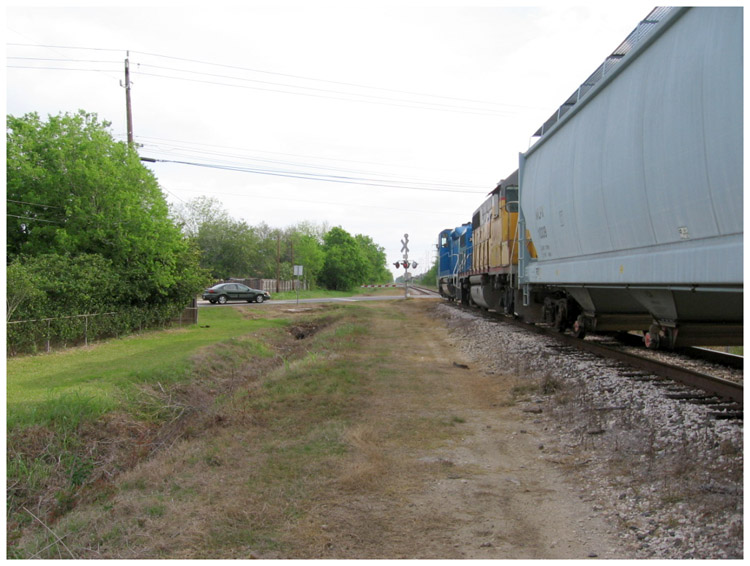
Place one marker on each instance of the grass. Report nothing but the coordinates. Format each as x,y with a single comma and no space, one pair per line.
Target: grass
81,415
89,381
273,442
298,414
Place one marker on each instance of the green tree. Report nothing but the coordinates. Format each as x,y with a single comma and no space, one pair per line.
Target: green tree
344,265
430,277
308,252
376,270
22,289
73,190
229,248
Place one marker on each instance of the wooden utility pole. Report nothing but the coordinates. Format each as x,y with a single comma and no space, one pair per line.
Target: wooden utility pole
127,100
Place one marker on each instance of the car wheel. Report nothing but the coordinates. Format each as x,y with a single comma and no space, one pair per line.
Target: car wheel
259,299
222,299
212,301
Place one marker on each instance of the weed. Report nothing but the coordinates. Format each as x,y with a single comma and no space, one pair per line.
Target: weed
157,510
550,384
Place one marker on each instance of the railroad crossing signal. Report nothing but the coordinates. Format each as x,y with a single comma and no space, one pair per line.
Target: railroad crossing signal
405,263
404,247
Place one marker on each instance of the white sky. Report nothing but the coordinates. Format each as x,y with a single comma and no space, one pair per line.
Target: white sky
496,71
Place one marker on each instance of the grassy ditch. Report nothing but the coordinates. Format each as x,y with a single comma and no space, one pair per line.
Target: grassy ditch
89,381
104,443
78,417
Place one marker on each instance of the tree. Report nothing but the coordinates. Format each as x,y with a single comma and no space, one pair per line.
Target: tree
22,288
345,265
308,252
430,277
376,270
229,248
193,214
73,190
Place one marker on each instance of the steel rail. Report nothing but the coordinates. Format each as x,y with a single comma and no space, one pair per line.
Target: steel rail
720,387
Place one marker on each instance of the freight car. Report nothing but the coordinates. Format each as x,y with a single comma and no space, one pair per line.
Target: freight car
626,214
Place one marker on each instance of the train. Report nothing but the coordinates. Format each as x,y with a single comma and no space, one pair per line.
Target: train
626,212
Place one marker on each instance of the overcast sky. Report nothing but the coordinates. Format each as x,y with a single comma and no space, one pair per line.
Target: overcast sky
415,109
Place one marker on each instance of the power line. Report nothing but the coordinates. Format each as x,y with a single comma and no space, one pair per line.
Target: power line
364,97
295,165
35,219
64,47
34,204
65,60
308,176
428,102
342,83
317,201
304,156
387,102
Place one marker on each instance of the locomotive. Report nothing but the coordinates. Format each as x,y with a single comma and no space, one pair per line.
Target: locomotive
625,214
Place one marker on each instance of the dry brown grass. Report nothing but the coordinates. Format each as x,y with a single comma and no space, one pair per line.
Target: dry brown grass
312,452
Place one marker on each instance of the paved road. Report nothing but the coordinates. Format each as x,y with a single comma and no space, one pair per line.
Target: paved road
413,294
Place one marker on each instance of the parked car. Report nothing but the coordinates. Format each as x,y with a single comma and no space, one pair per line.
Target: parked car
224,292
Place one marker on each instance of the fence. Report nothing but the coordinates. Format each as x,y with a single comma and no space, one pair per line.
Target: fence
188,315
270,285
29,335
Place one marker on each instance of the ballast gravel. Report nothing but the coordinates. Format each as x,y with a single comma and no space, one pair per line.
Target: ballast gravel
665,474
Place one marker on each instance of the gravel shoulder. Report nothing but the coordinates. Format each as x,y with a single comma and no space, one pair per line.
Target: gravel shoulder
665,476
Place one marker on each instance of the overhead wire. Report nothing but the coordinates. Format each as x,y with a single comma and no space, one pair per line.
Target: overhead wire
427,102
288,168
296,165
320,202
342,83
288,154
348,97
310,176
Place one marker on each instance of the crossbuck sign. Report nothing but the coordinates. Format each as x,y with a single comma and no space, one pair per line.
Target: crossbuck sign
404,247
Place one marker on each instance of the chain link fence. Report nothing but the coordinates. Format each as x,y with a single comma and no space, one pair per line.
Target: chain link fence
47,334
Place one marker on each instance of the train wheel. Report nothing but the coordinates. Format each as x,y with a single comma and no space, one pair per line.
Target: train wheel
579,328
561,316
651,338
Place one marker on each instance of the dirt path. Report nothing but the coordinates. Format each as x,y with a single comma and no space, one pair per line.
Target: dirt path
397,448
447,466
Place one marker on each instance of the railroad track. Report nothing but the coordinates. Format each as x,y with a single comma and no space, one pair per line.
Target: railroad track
423,291
725,395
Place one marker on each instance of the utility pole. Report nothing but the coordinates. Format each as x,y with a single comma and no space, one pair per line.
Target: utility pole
127,100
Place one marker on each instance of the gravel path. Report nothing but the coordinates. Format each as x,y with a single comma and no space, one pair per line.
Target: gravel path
666,475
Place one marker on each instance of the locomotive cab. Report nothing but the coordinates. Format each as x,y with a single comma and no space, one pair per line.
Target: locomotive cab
495,225
454,257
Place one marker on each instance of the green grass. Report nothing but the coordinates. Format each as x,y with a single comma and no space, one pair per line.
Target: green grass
86,382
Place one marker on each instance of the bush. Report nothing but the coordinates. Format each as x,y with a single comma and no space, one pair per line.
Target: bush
62,288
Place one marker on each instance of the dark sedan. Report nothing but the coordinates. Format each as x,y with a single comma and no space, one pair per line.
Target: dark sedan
224,292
